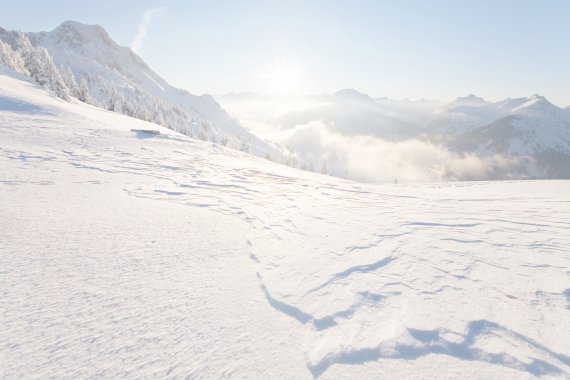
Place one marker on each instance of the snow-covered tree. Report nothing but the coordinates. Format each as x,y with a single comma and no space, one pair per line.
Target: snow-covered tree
41,67
69,80
203,134
324,169
112,103
83,93
12,59
24,46
44,71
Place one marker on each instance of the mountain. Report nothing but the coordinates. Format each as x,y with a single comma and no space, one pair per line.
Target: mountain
128,255
531,134
350,112
532,130
350,94
459,116
119,80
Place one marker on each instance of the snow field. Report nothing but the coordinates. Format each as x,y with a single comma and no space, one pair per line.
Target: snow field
126,256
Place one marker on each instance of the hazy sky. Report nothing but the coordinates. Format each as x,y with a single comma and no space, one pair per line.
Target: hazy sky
402,49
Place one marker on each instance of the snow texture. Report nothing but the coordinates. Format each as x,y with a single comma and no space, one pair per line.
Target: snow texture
140,256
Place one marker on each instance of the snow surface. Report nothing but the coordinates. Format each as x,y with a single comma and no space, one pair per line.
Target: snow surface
125,255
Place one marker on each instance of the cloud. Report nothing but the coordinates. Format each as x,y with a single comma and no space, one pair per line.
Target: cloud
144,24
371,159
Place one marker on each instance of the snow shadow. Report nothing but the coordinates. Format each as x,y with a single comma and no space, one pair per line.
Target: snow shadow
567,295
325,322
367,298
287,309
366,268
144,135
20,106
432,342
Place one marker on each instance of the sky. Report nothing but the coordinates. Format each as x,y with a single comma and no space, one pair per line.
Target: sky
401,49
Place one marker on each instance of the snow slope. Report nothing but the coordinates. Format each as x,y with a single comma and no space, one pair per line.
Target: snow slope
125,255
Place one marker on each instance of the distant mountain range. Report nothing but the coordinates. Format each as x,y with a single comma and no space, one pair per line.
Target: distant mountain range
530,130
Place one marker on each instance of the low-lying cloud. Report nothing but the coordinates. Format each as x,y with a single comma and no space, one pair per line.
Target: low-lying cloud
371,159
378,140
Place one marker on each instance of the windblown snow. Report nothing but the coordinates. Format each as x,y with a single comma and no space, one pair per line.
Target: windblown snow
125,254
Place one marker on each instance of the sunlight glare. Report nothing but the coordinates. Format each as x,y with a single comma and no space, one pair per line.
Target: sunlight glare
284,78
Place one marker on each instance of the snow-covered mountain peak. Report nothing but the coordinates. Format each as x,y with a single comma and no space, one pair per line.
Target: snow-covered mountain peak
466,105
352,94
537,97
536,104
471,99
91,42
76,33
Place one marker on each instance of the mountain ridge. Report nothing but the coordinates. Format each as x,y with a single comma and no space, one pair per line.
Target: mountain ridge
118,79
527,129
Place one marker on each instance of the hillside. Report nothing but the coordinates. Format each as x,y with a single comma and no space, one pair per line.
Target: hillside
127,255
119,80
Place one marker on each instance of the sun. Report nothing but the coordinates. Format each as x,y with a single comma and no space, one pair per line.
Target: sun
284,78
